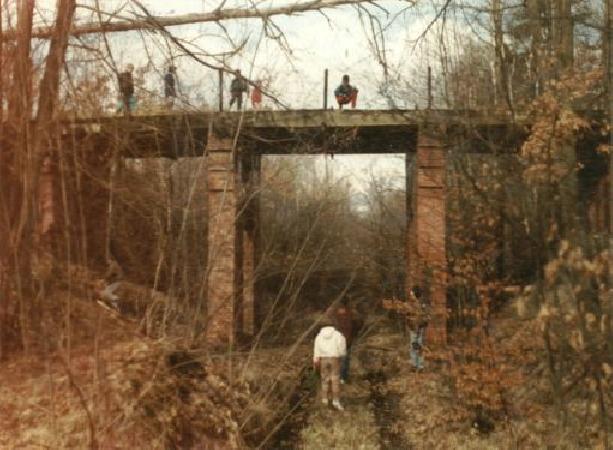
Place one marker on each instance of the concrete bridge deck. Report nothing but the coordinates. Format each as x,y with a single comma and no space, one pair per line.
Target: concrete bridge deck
185,133
310,118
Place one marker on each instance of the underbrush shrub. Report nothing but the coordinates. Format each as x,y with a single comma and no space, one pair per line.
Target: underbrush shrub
175,400
479,375
575,322
550,363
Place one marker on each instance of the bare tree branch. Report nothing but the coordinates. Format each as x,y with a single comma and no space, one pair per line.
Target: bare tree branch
154,22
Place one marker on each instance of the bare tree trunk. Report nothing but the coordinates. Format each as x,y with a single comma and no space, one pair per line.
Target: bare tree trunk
502,71
22,162
534,18
606,36
498,41
563,47
606,42
607,52
48,96
22,69
2,63
563,33
15,189
49,86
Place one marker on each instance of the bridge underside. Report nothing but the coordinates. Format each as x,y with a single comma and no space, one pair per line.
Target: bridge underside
233,173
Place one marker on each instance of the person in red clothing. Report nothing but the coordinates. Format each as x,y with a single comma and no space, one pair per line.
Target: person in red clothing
256,95
346,94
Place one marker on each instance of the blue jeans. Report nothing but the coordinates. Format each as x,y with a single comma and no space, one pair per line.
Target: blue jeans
131,104
345,361
416,352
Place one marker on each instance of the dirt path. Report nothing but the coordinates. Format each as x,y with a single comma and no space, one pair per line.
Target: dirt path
387,412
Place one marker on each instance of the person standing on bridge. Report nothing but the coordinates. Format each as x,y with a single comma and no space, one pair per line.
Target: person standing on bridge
238,87
256,95
170,86
126,89
346,94
329,347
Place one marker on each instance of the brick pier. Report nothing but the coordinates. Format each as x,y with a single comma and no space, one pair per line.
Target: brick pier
233,191
426,232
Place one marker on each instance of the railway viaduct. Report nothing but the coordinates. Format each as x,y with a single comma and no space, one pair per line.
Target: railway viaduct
233,144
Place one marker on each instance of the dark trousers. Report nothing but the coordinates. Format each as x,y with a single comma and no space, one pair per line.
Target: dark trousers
238,97
345,363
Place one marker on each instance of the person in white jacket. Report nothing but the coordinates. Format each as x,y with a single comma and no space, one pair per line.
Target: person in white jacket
329,347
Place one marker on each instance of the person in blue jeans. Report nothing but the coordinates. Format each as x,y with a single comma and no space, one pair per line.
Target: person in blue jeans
418,322
416,352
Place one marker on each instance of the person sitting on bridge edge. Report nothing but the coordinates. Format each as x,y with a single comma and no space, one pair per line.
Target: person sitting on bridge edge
346,94
238,86
417,321
170,85
126,89
329,347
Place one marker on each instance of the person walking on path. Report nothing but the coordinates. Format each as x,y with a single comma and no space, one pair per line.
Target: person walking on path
329,347
418,321
238,87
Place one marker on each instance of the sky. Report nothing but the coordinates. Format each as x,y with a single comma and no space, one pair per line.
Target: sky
292,67
355,171
335,39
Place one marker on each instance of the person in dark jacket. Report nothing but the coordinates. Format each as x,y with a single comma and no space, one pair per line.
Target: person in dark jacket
238,87
126,88
170,85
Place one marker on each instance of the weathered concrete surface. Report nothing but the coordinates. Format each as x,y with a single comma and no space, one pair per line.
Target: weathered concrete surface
310,118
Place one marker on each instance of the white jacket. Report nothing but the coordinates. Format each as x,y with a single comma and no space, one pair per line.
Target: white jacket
329,343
